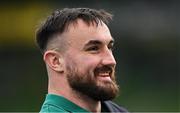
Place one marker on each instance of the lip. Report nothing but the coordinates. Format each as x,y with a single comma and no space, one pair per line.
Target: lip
104,73
104,78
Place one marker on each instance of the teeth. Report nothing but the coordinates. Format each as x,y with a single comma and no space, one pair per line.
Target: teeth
104,74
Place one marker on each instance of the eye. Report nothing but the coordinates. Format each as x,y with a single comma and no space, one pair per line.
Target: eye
93,48
111,47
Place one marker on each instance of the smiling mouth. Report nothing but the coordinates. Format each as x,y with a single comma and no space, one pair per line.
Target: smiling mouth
104,72
104,77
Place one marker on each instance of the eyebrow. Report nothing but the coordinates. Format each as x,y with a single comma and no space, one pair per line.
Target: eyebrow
97,42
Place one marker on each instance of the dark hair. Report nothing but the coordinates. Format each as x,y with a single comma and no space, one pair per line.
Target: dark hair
59,20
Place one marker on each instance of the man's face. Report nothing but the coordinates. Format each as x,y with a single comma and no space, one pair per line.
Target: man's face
90,65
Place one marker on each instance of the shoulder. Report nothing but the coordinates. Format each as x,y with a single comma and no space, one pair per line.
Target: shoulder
49,108
112,107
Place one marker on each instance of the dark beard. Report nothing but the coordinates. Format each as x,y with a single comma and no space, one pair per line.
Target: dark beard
89,86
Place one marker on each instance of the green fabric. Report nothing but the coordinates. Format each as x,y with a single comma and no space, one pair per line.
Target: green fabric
55,103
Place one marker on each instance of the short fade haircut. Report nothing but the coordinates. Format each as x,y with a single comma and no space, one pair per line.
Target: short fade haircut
59,21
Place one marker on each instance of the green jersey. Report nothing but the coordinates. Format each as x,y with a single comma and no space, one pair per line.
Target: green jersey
55,103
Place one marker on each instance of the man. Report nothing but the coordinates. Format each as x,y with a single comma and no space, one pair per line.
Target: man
77,49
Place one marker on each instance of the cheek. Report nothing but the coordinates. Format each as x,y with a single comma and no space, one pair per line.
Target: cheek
84,63
88,61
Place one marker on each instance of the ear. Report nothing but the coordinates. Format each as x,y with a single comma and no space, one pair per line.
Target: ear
54,60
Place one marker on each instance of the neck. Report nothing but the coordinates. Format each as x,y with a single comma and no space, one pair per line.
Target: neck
62,89
86,102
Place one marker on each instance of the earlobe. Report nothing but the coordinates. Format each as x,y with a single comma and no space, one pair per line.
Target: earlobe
54,61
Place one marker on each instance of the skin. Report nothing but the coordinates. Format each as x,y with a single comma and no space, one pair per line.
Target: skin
88,47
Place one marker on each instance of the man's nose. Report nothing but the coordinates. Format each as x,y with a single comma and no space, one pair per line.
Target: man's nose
108,58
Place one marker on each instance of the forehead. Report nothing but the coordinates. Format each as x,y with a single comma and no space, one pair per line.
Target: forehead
81,33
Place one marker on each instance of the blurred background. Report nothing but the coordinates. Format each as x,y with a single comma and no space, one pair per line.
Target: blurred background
147,34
